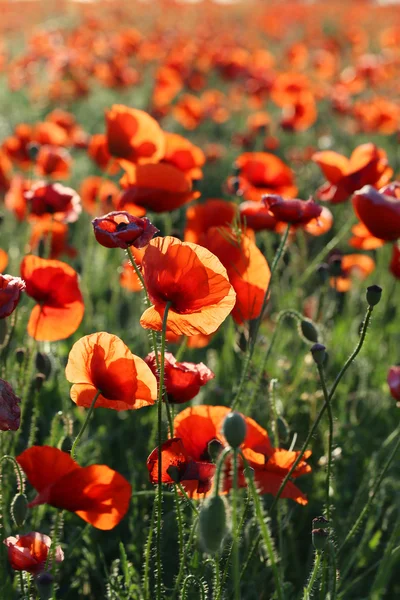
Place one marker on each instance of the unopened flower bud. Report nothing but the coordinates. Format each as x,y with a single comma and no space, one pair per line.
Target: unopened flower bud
320,523
39,381
212,524
318,352
19,509
234,429
20,355
374,294
43,364
44,584
66,444
323,272
319,538
308,330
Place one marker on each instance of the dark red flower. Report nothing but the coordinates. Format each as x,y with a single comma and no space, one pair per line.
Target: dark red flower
10,293
10,413
379,210
393,380
394,266
54,199
119,229
295,212
182,380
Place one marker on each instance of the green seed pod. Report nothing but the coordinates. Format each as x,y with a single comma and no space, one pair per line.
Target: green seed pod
318,352
20,355
212,524
19,509
44,584
374,294
66,444
39,381
43,364
234,429
309,331
320,523
319,538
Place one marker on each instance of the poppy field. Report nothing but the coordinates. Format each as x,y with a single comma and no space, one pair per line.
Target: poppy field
199,290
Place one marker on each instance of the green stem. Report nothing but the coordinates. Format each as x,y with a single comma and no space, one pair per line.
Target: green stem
332,552
188,550
330,440
218,473
188,500
147,556
313,577
85,424
20,477
235,545
22,585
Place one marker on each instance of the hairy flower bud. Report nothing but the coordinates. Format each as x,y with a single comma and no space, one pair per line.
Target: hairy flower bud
212,524
234,429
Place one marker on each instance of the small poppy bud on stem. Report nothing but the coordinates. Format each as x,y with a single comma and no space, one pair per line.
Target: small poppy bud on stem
234,429
66,444
318,352
308,330
39,381
320,523
319,538
44,584
212,524
20,355
19,509
374,294
33,150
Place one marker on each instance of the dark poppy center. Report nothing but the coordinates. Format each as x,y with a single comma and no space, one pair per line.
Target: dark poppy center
121,227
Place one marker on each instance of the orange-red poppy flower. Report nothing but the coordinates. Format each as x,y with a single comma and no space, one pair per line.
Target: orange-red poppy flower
101,362
393,380
47,133
15,200
189,111
119,229
296,212
320,224
63,203
29,552
99,195
156,187
182,380
3,260
367,165
10,293
98,152
134,135
46,229
128,278
263,173
53,161
353,265
247,269
379,211
288,87
193,280
54,286
17,146
256,216
177,466
212,213
363,238
394,266
5,171
301,114
10,412
184,155
97,494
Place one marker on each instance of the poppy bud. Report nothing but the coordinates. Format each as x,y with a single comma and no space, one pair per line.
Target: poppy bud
323,272
20,355
335,267
235,185
66,444
212,524
308,330
43,364
39,381
374,294
320,523
234,429
33,150
319,538
318,352
44,584
19,509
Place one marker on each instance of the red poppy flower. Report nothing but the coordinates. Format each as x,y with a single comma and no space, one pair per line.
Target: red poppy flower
53,161
256,216
299,115
119,229
5,171
247,269
184,155
15,200
10,412
54,286
263,173
98,152
194,475
193,280
16,146
97,494
367,165
182,380
10,293
212,213
29,552
134,135
101,362
156,187
394,266
99,195
379,211
393,380
53,199
46,228
320,224
295,212
3,260
353,265
363,238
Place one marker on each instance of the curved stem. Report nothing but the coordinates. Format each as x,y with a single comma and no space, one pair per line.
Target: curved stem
235,547
330,440
85,424
313,576
21,483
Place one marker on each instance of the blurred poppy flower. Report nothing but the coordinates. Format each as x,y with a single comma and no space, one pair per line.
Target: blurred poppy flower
247,269
99,195
296,212
379,211
119,229
193,280
10,412
189,111
53,161
263,173
3,260
17,146
288,87
157,187
321,224
96,494
177,466
184,155
15,200
393,380
29,552
352,265
5,171
10,293
54,286
101,362
301,114
46,229
256,216
363,238
128,278
134,135
98,152
394,266
53,199
367,165
182,380
211,213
